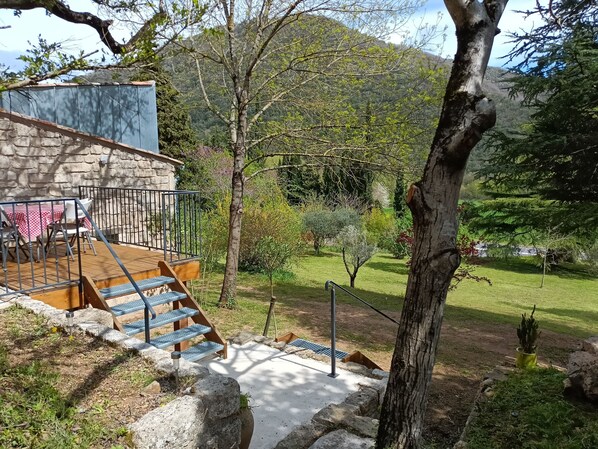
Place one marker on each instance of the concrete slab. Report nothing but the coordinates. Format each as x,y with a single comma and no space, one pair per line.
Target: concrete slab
286,390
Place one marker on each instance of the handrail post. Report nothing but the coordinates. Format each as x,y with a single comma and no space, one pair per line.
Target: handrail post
146,322
79,261
332,330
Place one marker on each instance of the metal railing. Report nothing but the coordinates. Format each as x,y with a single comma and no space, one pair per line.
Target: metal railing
332,286
36,224
27,266
164,220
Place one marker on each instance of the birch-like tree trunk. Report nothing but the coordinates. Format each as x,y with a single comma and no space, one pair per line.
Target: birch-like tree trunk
466,115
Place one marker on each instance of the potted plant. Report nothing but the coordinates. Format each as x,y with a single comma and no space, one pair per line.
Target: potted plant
528,334
246,417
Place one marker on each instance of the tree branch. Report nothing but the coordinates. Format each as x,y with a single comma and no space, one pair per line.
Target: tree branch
64,12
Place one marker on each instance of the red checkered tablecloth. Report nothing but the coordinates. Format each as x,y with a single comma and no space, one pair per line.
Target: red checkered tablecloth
33,219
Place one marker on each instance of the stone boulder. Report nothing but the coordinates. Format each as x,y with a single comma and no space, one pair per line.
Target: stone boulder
582,371
208,419
341,439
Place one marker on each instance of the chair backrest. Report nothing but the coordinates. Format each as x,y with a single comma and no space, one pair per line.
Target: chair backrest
69,212
86,202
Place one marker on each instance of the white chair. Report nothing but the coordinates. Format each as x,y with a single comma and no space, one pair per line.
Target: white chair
71,224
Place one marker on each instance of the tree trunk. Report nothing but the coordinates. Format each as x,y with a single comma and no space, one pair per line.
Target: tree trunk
466,114
229,284
544,268
238,143
352,277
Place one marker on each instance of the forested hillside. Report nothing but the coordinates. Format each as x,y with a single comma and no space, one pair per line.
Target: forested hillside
387,117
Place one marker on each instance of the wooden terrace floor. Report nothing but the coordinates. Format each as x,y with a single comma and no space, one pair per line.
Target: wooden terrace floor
103,269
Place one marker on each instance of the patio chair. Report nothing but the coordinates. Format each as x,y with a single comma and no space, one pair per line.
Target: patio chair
11,238
71,224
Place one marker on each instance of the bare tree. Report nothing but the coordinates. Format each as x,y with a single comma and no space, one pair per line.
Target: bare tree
465,116
265,52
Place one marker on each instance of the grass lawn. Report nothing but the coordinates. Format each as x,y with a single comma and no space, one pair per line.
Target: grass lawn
479,329
568,302
528,411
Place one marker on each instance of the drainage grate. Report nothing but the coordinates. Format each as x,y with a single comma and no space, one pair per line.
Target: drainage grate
318,349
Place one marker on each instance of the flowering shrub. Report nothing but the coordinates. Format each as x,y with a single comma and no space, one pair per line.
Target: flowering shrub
466,244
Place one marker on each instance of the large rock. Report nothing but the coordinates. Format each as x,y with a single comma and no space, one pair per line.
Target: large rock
334,414
302,436
367,399
341,439
177,424
91,315
590,345
219,394
361,425
207,420
582,370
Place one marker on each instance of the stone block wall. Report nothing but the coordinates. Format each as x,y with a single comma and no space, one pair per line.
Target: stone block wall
42,160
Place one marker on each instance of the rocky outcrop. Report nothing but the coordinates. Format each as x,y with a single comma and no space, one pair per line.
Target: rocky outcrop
206,419
582,372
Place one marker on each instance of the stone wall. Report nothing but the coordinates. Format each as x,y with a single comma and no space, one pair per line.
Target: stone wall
42,160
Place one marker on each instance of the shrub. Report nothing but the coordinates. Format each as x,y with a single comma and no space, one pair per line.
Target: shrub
323,224
380,227
275,220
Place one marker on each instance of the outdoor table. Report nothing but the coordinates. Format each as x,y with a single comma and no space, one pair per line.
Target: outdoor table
32,221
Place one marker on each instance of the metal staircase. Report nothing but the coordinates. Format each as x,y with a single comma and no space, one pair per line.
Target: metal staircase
185,319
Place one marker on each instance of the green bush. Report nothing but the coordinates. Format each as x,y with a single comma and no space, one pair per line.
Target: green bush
322,224
380,226
275,220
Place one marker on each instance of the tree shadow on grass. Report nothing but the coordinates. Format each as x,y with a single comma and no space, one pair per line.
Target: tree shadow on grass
582,315
390,267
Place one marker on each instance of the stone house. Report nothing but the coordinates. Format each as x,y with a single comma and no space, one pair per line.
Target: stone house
43,159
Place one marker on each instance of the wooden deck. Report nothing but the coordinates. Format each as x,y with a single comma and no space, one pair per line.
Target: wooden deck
141,263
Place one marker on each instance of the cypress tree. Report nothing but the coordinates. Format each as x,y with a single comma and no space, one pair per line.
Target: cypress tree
399,199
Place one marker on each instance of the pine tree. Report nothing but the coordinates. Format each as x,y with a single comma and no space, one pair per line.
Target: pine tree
176,137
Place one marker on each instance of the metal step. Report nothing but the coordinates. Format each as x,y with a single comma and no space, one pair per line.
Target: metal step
160,320
186,333
135,306
202,350
317,348
127,289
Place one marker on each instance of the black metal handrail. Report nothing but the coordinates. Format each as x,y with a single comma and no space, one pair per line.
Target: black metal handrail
331,285
100,235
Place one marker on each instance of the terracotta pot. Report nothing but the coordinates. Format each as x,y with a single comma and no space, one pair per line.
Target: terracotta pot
525,360
246,417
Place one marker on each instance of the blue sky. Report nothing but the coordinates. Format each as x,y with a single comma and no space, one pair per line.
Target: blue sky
14,40
510,22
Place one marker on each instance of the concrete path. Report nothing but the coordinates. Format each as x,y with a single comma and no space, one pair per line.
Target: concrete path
286,390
